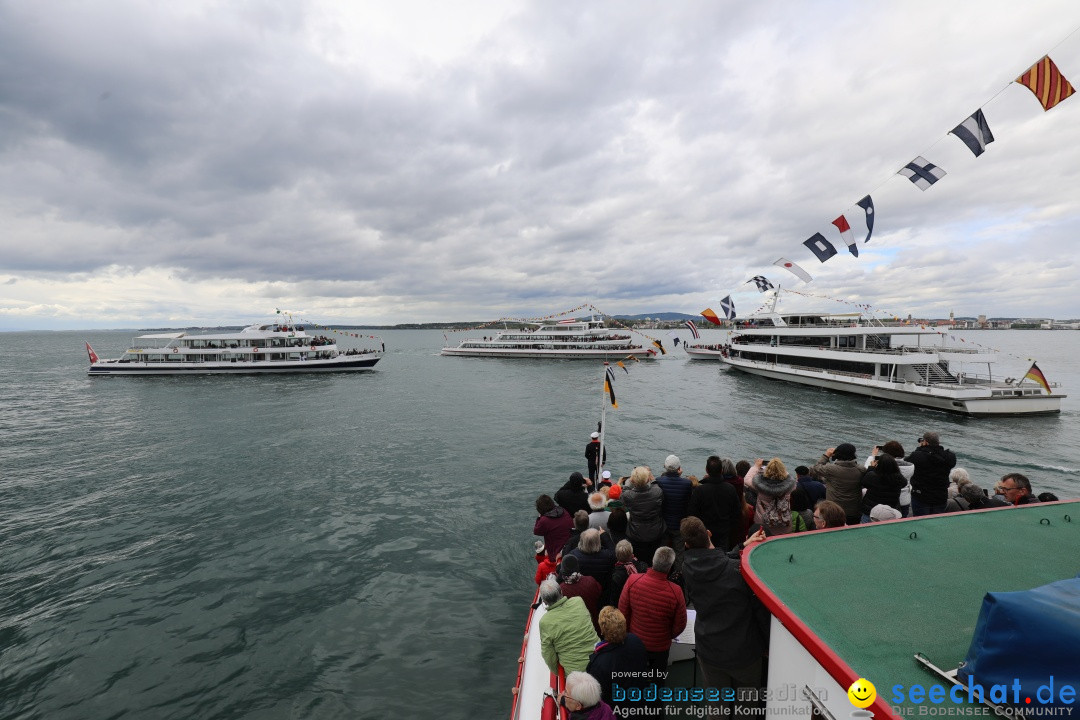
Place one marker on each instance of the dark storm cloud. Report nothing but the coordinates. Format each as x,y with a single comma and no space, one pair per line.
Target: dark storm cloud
639,153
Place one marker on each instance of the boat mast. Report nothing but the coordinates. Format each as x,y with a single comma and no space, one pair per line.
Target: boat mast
603,426
776,297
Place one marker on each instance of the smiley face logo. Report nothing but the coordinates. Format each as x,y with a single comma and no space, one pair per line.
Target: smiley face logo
862,693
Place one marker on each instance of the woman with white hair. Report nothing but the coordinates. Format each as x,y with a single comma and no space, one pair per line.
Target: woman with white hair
596,557
582,698
958,478
644,503
567,637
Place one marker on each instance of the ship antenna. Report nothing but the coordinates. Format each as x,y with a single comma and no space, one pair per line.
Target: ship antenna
775,298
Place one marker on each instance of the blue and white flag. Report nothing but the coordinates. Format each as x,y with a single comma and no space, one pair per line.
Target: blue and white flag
821,247
974,132
762,282
868,205
922,172
728,306
693,329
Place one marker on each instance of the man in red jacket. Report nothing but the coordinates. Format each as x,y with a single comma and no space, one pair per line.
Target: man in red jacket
655,610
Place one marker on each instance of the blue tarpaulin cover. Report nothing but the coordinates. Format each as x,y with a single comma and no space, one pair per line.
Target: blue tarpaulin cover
1033,637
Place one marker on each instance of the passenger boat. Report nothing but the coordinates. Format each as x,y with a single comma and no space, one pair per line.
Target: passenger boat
271,347
908,614
570,339
705,351
886,360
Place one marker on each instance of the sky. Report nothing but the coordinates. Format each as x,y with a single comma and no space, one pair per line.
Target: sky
206,163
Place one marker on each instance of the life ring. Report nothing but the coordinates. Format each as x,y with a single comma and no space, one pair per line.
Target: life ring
254,349
176,350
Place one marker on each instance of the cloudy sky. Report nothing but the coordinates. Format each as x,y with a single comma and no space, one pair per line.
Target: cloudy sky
362,162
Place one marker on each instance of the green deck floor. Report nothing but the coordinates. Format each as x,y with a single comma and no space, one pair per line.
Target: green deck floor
876,595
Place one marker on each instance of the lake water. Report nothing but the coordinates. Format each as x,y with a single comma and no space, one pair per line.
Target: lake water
359,545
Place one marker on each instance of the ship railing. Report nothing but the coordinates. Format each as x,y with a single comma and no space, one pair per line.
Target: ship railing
897,350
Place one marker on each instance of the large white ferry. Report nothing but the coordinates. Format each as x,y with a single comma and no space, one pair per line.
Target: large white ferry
887,360
567,339
272,347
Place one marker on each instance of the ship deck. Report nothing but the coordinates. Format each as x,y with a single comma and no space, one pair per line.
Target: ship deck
864,600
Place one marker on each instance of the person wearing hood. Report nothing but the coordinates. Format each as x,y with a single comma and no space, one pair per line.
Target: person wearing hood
772,509
573,496
842,475
553,524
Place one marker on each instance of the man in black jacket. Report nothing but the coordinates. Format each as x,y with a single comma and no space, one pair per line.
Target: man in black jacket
592,454
930,481
731,628
716,503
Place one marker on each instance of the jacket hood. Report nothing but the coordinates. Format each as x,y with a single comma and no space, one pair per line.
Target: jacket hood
576,482
554,512
773,488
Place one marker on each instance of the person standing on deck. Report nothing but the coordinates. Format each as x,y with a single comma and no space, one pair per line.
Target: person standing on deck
716,503
573,495
930,481
554,524
731,628
592,454
644,503
654,608
677,490
842,476
567,636
815,489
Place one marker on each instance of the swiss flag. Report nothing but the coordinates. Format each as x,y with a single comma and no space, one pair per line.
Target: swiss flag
91,353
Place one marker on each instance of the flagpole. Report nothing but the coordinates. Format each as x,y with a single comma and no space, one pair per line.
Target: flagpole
603,428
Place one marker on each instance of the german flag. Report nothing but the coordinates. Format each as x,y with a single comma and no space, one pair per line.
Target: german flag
659,346
1036,374
1046,82
609,386
709,315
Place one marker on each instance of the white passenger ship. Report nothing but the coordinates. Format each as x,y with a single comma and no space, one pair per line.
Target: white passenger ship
272,347
890,361
568,339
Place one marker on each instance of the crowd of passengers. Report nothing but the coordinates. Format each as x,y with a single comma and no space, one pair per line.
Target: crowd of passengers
619,561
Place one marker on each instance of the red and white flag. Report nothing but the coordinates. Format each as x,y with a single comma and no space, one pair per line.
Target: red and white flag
567,321
793,268
91,353
841,224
